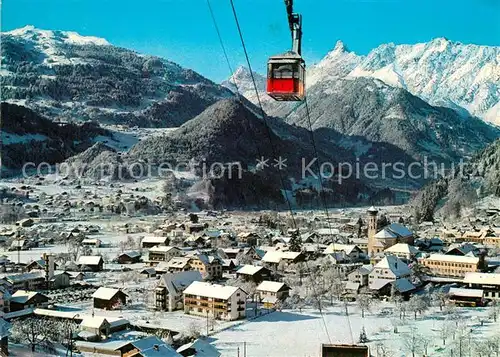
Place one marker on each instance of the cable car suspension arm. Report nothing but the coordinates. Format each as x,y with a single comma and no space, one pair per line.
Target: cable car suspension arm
295,23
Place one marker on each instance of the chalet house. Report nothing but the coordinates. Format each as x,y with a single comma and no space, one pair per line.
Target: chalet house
194,241
148,272
162,254
152,241
253,273
452,265
232,253
388,287
216,301
402,251
208,265
109,298
169,291
60,279
38,265
229,265
90,263
389,268
488,282
271,292
94,328
463,250
450,235
195,227
129,257
178,264
360,275
274,258
20,244
92,242
352,252
28,281
23,299
249,238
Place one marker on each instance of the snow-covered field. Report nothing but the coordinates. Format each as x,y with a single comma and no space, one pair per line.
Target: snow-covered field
299,334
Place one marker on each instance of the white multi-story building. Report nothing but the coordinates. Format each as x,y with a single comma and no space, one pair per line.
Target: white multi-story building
214,300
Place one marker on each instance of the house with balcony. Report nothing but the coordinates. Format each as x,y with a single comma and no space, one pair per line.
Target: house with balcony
209,266
162,254
215,301
169,291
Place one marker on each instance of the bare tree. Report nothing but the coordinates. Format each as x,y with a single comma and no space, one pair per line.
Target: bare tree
412,341
439,298
445,330
417,304
494,310
36,333
383,351
194,330
364,303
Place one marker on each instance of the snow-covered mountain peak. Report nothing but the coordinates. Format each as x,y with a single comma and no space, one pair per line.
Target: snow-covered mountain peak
31,33
243,80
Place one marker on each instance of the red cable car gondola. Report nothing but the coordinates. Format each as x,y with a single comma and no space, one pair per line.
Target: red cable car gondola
286,73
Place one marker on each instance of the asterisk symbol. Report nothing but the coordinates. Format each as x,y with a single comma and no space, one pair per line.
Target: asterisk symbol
262,163
280,163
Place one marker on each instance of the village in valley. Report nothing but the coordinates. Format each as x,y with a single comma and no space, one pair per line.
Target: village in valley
97,270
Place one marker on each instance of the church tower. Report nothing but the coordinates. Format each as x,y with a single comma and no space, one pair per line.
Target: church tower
372,230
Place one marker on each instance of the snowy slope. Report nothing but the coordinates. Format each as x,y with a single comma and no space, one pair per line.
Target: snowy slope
444,73
66,77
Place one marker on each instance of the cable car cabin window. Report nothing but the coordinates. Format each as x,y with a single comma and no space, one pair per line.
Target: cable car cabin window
285,71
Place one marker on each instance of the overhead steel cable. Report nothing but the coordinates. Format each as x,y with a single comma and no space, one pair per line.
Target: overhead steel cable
263,113
238,94
264,116
325,205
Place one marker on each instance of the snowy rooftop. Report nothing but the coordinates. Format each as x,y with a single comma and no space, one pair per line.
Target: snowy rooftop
161,249
271,286
154,239
105,293
385,233
402,248
478,293
396,265
453,258
249,270
215,291
482,278
89,260
93,321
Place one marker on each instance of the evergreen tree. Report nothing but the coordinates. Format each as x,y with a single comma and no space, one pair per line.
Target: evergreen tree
362,336
295,244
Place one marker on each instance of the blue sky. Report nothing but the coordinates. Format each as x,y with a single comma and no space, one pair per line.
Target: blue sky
182,30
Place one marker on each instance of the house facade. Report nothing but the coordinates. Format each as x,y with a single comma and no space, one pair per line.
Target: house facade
451,265
214,300
169,291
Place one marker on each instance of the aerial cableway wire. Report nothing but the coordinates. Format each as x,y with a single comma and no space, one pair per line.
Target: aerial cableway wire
238,94
325,205
264,116
263,113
